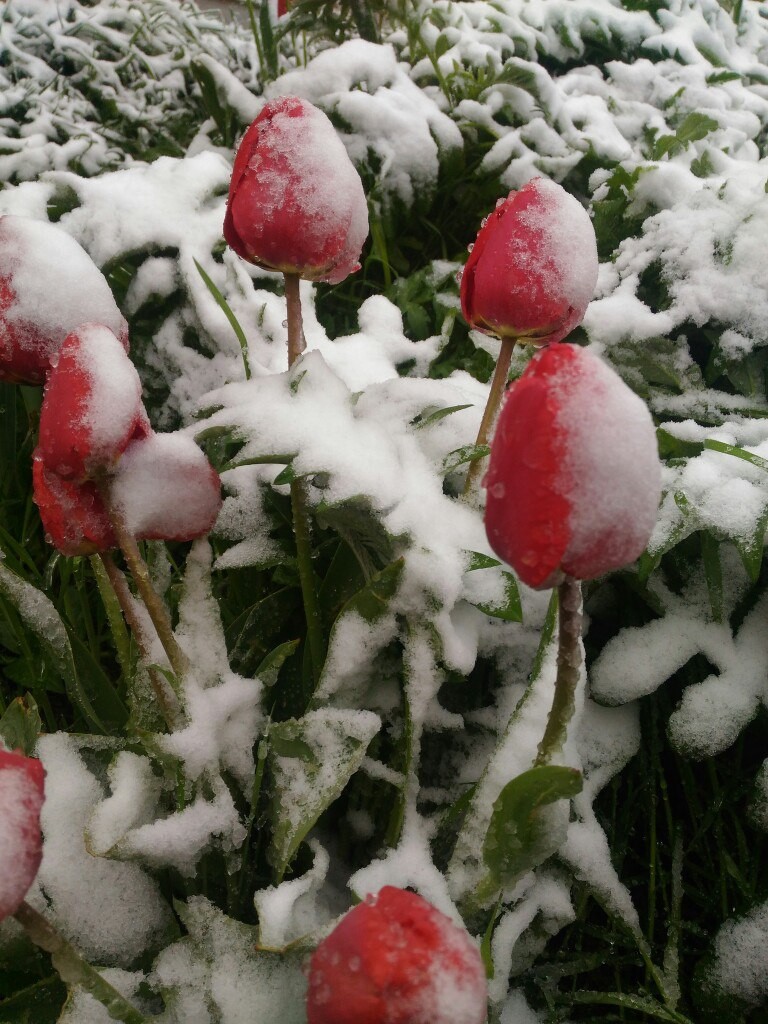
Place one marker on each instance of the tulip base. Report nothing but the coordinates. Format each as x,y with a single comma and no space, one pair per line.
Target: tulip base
568,671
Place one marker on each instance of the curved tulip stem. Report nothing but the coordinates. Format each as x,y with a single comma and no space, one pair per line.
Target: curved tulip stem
166,700
492,406
302,525
72,969
139,570
296,344
568,670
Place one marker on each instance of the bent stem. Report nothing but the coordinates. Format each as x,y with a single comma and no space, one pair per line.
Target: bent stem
72,969
568,670
166,700
302,526
139,570
495,395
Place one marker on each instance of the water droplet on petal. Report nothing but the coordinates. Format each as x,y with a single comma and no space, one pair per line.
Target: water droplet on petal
497,491
483,222
54,359
470,247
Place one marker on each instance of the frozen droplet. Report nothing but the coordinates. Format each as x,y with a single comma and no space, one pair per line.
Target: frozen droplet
497,491
54,360
48,539
470,247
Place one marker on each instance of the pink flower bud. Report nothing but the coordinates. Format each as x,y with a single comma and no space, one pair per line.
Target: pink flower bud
395,959
92,405
574,479
533,269
49,285
21,798
296,203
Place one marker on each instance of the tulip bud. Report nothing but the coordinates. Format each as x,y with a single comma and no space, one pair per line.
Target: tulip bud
574,479
21,798
296,203
73,514
91,406
49,285
395,959
533,269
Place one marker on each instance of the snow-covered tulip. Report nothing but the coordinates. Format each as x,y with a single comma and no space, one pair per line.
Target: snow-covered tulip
574,479
166,489
395,959
49,285
92,405
296,203
21,798
533,268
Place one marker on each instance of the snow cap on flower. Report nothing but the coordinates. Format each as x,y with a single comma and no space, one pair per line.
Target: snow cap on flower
395,959
574,478
49,285
533,269
92,405
167,489
296,203
21,798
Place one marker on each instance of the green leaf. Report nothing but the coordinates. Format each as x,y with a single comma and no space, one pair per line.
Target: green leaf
21,725
311,759
713,572
477,560
695,126
429,416
358,524
751,549
270,666
372,601
509,608
460,456
41,618
519,837
227,311
739,453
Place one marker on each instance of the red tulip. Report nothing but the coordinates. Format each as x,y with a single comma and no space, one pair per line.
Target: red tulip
296,203
533,269
92,405
21,798
574,479
73,514
395,959
48,286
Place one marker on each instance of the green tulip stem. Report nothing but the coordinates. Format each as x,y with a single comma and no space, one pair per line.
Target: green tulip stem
166,700
568,671
495,395
302,524
296,343
139,570
72,969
